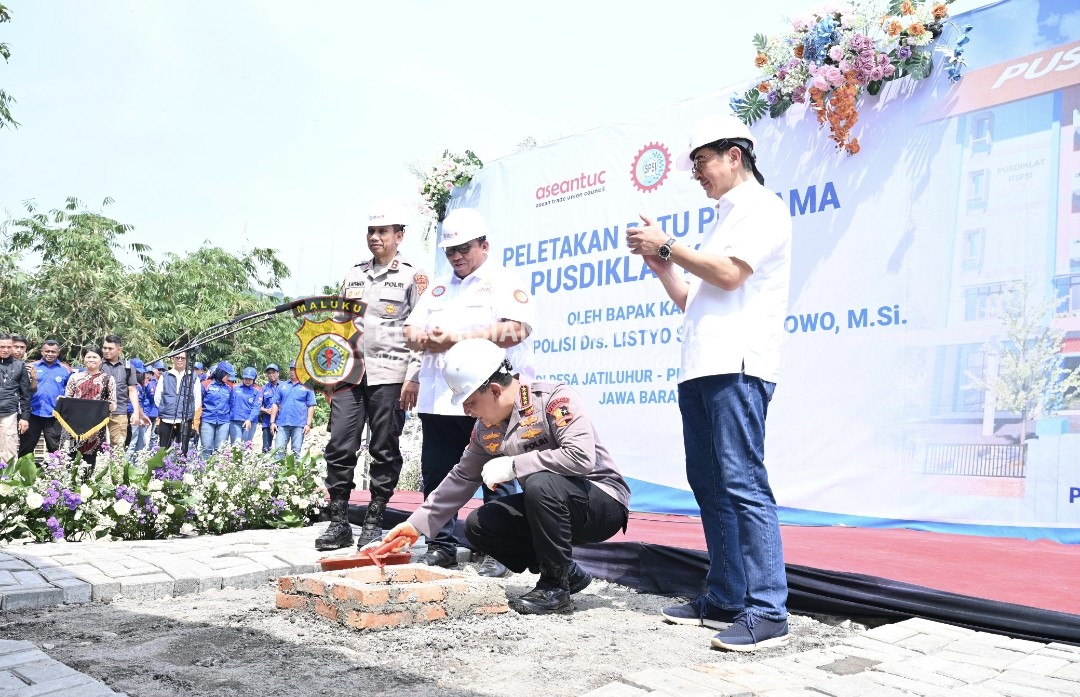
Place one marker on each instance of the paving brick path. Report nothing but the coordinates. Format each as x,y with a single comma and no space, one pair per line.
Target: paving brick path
914,657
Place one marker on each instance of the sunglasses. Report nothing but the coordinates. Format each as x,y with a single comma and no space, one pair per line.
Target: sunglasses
462,249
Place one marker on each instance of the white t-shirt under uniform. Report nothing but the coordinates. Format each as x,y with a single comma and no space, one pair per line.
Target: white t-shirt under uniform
486,296
726,332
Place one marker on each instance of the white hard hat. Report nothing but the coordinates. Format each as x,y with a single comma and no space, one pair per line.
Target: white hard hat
386,213
712,129
469,364
462,225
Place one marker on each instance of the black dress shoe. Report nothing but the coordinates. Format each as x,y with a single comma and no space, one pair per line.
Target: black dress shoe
491,567
578,578
543,601
437,556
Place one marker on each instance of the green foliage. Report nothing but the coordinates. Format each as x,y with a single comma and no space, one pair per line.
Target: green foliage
81,290
760,41
6,119
752,106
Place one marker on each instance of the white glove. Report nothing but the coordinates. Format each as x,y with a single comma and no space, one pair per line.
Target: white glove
499,470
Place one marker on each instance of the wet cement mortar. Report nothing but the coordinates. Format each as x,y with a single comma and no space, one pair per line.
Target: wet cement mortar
235,642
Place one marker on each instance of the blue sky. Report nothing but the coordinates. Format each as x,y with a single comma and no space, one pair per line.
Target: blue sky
265,123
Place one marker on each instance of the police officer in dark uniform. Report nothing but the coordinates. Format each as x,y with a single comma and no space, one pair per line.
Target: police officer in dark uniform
390,286
572,491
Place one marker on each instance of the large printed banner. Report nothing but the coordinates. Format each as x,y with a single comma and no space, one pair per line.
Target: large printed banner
901,255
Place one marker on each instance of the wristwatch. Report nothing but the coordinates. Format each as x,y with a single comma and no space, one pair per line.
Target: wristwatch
664,252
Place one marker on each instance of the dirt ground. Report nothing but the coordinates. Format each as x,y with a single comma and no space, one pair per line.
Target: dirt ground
235,642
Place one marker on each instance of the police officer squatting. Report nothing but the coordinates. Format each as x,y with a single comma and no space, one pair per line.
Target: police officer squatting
540,434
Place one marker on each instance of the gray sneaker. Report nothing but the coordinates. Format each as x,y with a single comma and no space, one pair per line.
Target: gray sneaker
699,612
750,633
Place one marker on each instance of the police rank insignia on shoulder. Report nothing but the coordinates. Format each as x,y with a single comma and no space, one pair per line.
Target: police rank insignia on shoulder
491,436
492,447
532,433
529,420
525,397
394,265
561,415
421,282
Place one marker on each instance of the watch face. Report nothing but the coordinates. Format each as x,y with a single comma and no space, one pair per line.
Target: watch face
664,252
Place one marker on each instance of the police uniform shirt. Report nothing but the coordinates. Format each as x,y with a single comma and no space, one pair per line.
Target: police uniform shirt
391,292
486,296
547,430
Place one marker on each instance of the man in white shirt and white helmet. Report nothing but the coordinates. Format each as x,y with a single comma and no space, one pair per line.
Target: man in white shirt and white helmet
391,287
478,299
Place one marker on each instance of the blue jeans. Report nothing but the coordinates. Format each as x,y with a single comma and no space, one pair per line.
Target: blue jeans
289,436
212,437
724,438
141,438
268,438
237,434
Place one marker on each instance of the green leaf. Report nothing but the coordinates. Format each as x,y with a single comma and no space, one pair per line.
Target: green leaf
760,41
752,106
26,470
920,66
874,87
782,105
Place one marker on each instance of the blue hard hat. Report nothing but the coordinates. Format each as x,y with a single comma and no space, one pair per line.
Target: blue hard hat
160,365
250,373
226,367
138,365
293,364
199,365
273,366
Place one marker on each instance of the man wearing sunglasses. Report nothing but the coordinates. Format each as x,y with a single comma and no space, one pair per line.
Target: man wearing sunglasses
735,299
478,300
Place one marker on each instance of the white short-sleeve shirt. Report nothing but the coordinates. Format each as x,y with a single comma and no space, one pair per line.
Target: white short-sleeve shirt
486,296
727,332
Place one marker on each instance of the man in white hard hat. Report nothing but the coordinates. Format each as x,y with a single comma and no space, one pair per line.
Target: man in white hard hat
479,299
391,286
734,306
538,433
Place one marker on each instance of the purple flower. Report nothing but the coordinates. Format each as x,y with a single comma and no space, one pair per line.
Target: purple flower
55,528
799,95
72,500
903,53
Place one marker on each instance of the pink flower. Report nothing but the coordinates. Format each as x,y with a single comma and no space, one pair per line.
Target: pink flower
845,65
876,73
888,70
836,53
835,76
820,82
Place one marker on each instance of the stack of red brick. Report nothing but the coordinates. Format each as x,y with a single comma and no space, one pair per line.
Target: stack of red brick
394,596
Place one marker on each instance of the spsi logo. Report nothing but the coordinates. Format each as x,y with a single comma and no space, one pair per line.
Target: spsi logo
651,167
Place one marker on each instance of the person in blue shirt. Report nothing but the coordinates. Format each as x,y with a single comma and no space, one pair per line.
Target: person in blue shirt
52,377
269,392
146,401
292,414
141,432
217,404
247,401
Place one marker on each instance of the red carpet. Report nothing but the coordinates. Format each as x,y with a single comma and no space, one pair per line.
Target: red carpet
1039,574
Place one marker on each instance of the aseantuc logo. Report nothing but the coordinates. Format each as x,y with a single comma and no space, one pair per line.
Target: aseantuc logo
330,352
584,184
650,167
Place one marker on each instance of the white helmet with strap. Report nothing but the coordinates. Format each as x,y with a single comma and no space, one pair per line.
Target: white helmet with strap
469,364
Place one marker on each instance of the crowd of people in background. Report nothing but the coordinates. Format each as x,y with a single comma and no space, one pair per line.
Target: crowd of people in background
150,404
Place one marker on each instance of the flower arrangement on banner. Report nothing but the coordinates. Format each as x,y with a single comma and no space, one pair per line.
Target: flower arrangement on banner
438,180
156,495
833,53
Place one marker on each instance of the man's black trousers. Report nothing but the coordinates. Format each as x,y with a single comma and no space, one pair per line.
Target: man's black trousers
538,527
39,425
378,406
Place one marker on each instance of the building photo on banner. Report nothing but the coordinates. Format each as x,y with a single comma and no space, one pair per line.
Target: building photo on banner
907,394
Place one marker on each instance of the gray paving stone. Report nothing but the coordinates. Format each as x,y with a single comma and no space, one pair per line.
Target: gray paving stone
853,686
43,669
663,681
1040,665
817,657
5,557
1008,689
29,578
919,673
79,685
848,665
250,575
939,628
55,572
998,657
885,648
788,665
925,643
1055,653
792,692
147,587
964,672
75,590
9,682
892,633
752,677
7,578
1067,648
616,689
906,684
275,566
16,658
1042,682
222,563
30,597
14,645
105,590
1069,672
717,684
975,691
15,565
